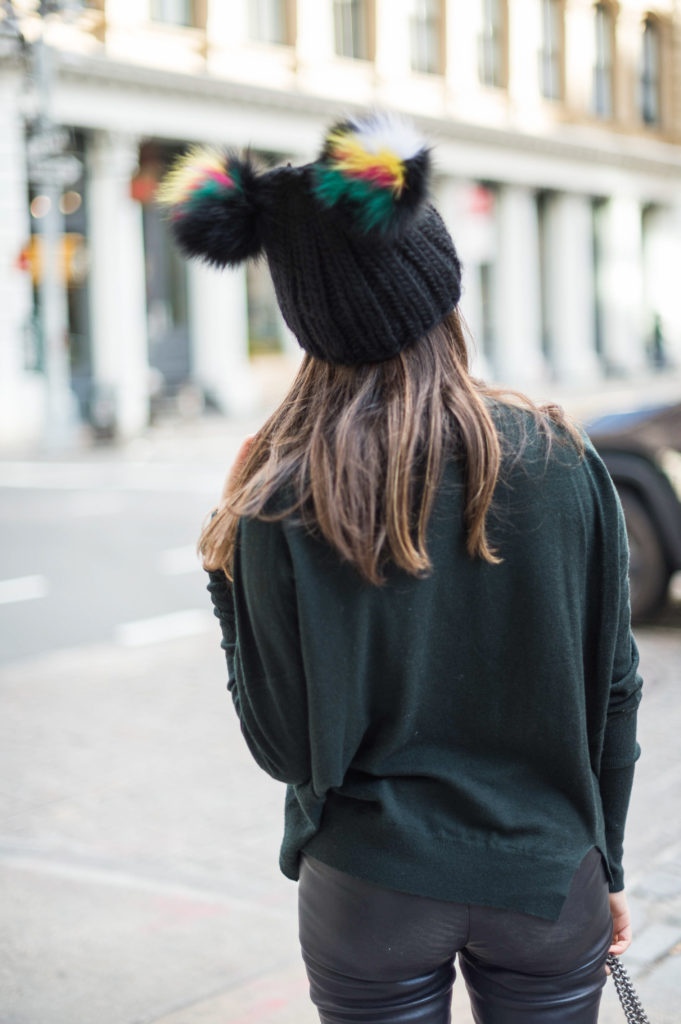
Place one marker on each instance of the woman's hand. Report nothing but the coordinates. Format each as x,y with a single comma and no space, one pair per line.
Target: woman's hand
238,462
621,923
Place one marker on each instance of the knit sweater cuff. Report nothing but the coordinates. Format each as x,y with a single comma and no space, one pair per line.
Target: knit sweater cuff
615,787
620,748
220,590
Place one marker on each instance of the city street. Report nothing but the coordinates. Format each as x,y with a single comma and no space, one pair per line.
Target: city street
138,840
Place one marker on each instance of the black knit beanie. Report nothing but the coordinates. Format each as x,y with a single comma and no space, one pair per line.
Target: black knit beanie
362,264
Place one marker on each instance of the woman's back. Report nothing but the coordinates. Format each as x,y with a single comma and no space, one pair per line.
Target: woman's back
455,717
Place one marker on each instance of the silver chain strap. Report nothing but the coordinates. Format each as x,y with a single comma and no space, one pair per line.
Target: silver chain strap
631,1004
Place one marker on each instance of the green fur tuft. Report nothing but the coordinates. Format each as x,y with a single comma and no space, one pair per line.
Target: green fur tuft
374,205
234,171
212,189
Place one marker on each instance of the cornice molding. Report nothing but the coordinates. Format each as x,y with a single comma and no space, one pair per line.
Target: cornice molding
576,143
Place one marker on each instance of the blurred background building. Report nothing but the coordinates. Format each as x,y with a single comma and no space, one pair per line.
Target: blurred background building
557,126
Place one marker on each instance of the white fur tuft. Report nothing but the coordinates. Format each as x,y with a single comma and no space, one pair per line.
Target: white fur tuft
388,131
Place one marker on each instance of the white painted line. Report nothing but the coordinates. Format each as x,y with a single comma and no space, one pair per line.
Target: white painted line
176,561
23,588
160,477
88,504
164,627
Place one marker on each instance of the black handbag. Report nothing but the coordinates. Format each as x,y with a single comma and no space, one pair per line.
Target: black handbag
631,1004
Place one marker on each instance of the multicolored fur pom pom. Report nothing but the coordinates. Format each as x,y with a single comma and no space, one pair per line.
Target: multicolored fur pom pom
211,198
196,175
376,168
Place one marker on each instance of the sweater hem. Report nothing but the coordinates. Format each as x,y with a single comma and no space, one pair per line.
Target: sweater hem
454,870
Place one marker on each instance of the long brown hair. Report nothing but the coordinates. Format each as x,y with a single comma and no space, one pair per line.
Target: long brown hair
358,454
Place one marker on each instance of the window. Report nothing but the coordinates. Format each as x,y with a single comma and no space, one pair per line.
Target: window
551,53
491,43
426,31
650,73
173,12
602,77
268,21
351,28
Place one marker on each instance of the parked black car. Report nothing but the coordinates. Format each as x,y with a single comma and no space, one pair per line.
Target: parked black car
642,450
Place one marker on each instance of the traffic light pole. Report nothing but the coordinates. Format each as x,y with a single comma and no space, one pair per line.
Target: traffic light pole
59,418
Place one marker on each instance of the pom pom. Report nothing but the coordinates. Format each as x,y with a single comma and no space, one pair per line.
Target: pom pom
214,212
375,169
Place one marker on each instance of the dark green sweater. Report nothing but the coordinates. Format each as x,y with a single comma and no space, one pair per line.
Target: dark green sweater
467,736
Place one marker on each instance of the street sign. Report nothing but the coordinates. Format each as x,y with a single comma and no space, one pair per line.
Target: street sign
42,144
62,170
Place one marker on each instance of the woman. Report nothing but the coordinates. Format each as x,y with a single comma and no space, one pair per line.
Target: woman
422,588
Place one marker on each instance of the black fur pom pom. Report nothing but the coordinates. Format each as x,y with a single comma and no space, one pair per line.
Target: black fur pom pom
214,211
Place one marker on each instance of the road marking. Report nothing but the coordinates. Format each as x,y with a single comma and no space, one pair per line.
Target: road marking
164,627
23,588
161,477
88,504
176,561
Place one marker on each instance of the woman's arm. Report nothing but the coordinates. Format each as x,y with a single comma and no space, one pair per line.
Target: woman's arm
259,623
620,748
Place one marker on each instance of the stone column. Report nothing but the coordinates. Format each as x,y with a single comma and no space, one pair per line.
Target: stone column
570,288
662,258
117,282
620,284
470,308
518,358
22,392
472,228
218,326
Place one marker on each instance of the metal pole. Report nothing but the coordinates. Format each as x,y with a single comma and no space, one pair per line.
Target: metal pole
59,418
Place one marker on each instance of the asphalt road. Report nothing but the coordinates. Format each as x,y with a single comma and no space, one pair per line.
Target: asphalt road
88,549
138,841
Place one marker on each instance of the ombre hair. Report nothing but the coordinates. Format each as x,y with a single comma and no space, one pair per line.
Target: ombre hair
357,453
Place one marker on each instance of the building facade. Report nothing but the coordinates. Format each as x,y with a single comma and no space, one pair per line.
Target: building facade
557,126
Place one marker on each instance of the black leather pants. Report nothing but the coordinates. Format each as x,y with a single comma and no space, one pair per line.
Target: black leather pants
385,957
